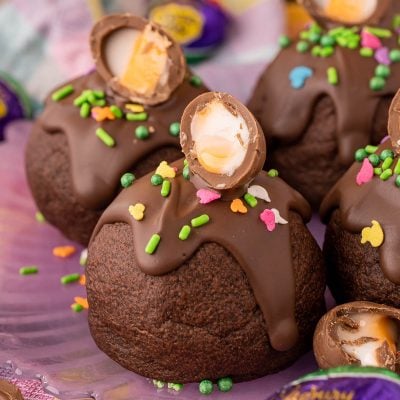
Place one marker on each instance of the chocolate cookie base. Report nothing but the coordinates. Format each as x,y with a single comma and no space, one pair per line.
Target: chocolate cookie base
353,269
48,171
200,321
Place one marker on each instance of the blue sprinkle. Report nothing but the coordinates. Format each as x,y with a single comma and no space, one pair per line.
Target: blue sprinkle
299,75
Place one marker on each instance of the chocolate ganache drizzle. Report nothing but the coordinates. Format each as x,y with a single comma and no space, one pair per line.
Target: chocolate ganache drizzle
264,254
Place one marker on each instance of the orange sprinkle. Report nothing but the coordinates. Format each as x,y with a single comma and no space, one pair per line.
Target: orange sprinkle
82,301
102,113
64,251
82,280
237,206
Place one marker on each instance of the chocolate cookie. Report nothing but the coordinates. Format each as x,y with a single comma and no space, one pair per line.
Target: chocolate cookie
327,93
123,117
206,269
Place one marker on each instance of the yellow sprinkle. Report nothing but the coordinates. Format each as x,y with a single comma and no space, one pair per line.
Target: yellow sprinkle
165,170
82,280
135,108
137,211
373,235
64,251
82,301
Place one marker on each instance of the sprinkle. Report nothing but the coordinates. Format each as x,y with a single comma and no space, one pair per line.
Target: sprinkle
394,55
137,211
397,168
158,384
102,113
369,40
299,75
207,196
273,173
360,155
374,159
206,387
83,257
259,192
186,172
200,221
327,51
366,173
316,51
127,179
82,280
105,137
85,110
382,56
250,200
175,386
302,46
117,112
135,108
378,171
382,70
64,251
371,149
387,153
377,83
62,93
40,217
366,52
327,40
136,116
284,41
397,181
99,94
82,301
268,217
76,308
165,170
184,232
142,132
237,206
152,244
195,81
80,100
278,218
156,180
71,278
333,77
385,175
225,384
165,188
30,270
387,163
175,129
314,37
98,103
374,235
379,32
396,21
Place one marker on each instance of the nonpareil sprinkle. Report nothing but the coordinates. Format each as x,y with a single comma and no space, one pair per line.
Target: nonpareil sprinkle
142,132
175,386
360,154
273,173
374,159
152,244
29,270
284,41
105,137
386,154
377,83
62,93
156,180
76,308
186,172
206,387
40,217
225,384
175,129
127,179
71,278
195,81
200,221
184,232
165,188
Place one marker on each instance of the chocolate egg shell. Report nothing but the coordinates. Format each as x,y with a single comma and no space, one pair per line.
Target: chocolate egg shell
176,62
394,122
328,347
8,391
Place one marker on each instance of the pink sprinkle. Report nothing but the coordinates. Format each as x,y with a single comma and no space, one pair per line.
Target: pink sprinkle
268,217
369,40
382,56
366,173
385,139
207,196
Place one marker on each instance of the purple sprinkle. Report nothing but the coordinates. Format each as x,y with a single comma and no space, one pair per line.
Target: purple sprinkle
382,56
385,139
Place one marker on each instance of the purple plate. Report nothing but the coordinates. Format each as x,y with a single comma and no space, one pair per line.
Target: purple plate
41,337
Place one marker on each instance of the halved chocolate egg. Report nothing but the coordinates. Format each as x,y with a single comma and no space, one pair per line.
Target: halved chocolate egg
359,333
346,12
222,141
137,59
394,122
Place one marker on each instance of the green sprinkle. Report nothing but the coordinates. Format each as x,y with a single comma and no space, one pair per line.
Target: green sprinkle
333,77
250,200
327,51
302,46
397,168
158,384
284,41
200,221
360,154
379,32
314,27
377,83
185,162
387,163
225,384
396,21
186,172
374,159
371,149
71,278
80,100
175,386
314,37
152,244
342,41
397,181
206,387
328,40
304,35
195,81
273,173
387,153
105,137
136,116
166,188
385,175
394,55
40,217
316,51
117,112
175,129
184,232
30,270
142,132
62,93
366,52
382,70
353,44
99,94
98,103
378,171
83,257
85,110
77,307
91,98
127,179
156,180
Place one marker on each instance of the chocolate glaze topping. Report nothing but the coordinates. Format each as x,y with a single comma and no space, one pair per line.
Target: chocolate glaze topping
358,205
96,168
